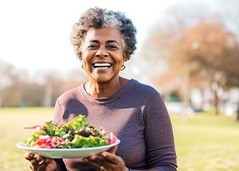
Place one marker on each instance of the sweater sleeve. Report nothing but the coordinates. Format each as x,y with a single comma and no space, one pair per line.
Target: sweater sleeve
160,145
57,112
57,118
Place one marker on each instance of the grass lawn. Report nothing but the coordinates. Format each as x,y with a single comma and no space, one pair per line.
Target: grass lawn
11,131
203,142
206,142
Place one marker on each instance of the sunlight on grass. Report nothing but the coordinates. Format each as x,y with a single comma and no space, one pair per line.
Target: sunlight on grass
203,142
11,130
206,143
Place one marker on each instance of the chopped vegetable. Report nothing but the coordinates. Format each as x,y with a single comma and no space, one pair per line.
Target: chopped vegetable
74,134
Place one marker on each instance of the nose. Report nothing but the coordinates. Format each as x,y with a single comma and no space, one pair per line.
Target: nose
102,52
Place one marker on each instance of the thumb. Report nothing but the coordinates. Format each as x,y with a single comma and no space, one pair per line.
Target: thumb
112,149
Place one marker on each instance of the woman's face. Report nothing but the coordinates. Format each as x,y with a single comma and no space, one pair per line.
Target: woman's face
102,54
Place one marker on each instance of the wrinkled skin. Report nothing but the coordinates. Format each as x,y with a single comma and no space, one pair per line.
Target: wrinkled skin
108,160
39,163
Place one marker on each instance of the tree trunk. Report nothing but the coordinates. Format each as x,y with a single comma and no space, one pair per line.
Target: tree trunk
238,111
238,105
216,103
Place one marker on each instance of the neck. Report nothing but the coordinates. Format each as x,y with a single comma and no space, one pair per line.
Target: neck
100,90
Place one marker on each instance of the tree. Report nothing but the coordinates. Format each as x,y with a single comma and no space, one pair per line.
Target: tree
17,89
209,50
158,48
198,50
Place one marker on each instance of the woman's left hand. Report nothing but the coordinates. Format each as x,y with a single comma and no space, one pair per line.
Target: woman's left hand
106,161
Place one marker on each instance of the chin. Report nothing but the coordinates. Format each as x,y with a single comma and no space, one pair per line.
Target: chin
102,80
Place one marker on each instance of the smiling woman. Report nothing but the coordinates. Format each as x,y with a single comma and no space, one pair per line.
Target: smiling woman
134,112
106,20
102,57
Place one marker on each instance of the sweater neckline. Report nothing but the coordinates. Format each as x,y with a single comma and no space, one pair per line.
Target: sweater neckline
104,100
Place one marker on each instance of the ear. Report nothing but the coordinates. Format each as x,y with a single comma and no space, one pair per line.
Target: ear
124,57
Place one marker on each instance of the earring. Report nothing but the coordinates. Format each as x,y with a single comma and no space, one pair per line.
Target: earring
82,66
80,55
123,67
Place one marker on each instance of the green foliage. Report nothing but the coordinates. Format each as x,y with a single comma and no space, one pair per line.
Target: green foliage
77,123
76,133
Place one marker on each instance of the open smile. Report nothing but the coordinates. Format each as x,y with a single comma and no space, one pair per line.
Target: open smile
101,65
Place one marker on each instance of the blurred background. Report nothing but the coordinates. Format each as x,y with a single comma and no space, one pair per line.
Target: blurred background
187,49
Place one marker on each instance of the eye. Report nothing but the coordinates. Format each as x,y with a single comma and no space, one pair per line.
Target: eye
111,46
93,46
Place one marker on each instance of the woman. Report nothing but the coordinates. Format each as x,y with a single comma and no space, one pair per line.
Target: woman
134,112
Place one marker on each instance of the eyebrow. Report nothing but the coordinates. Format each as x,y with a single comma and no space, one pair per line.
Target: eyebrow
108,41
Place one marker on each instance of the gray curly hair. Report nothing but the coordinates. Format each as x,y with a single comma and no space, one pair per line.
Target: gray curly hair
99,18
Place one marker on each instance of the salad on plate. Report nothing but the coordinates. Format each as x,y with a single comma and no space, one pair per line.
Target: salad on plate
76,133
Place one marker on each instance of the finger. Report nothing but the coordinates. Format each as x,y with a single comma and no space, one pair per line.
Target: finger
92,163
37,161
104,154
112,158
95,157
29,156
34,161
34,164
39,158
32,168
112,149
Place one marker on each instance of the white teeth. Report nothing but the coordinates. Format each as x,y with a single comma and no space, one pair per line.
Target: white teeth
102,65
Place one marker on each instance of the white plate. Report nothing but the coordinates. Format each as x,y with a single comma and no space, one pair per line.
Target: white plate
66,152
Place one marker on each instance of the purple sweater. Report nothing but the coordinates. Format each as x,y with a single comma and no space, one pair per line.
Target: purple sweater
136,114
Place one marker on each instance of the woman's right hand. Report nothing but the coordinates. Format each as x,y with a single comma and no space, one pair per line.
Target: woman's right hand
40,163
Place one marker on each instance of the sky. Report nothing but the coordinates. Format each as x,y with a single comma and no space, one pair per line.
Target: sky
35,34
